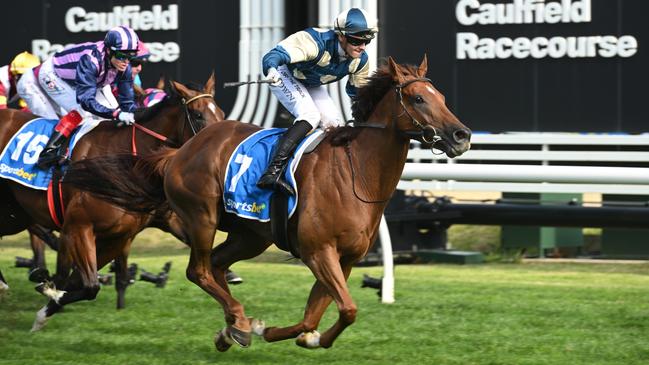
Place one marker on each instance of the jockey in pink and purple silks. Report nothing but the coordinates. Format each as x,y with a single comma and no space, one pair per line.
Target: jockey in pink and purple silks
75,83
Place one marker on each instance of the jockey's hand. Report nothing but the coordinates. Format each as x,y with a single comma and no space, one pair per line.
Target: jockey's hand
274,76
125,118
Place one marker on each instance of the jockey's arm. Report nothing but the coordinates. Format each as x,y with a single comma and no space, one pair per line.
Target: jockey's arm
125,93
298,47
87,89
358,78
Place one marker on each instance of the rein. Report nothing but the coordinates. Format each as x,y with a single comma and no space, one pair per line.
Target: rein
165,139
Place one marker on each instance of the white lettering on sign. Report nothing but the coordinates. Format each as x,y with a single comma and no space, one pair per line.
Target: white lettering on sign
471,12
160,52
77,19
471,46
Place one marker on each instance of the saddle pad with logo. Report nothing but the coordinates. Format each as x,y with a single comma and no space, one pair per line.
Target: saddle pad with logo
246,165
18,159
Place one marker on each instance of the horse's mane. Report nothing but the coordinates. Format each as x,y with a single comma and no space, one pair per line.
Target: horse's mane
367,98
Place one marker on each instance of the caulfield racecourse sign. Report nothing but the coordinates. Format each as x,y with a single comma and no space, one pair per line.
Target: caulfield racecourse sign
78,19
474,13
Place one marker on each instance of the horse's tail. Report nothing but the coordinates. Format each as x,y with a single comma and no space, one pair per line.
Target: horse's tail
131,182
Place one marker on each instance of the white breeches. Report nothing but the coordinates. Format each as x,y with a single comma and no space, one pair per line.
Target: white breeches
312,104
51,97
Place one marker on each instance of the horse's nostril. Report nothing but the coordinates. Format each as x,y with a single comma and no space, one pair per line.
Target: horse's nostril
462,135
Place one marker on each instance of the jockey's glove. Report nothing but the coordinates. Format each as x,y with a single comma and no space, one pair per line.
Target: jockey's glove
125,118
274,77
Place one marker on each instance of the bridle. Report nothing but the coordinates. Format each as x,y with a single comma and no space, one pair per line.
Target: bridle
436,138
188,114
193,124
410,134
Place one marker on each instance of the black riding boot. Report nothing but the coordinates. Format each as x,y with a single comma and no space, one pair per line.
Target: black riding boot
272,178
51,154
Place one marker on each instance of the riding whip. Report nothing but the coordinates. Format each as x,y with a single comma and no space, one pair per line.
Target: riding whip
241,83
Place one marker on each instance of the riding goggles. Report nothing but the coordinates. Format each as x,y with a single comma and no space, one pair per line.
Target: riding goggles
124,55
357,41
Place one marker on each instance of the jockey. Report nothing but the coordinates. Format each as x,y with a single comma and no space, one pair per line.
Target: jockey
73,83
9,76
299,66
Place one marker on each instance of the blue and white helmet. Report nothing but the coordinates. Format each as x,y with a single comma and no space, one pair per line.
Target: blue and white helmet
121,38
355,22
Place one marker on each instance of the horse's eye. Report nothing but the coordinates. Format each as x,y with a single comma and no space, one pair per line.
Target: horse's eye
198,115
419,99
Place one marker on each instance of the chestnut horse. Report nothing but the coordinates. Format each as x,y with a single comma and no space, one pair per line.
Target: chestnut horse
94,232
355,169
39,237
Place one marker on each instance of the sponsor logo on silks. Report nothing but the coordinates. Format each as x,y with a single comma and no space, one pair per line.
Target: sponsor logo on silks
19,172
245,206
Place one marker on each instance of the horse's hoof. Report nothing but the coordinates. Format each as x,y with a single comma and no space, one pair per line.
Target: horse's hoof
242,338
222,341
309,340
3,286
258,326
41,320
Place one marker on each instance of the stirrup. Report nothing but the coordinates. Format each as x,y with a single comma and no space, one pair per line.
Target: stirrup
275,182
46,161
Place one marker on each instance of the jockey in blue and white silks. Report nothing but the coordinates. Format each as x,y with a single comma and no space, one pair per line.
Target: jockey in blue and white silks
300,65
77,79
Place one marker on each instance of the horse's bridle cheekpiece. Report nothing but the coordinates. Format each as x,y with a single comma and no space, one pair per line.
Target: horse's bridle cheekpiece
436,138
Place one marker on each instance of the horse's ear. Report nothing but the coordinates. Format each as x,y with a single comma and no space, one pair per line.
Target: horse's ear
161,83
170,88
423,67
180,88
209,85
395,70
139,92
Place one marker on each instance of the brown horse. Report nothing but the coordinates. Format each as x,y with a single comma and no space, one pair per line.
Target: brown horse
355,169
94,232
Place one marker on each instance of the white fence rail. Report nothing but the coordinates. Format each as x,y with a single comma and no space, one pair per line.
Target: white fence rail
530,163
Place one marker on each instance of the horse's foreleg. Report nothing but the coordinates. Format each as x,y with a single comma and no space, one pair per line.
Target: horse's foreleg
122,278
73,292
319,300
3,283
77,246
38,250
327,268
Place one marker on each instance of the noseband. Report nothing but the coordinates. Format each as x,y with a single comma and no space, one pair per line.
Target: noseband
436,138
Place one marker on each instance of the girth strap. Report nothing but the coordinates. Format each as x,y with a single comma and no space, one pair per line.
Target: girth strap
55,198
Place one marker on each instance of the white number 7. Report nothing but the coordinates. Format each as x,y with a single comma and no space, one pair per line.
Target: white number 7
245,162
